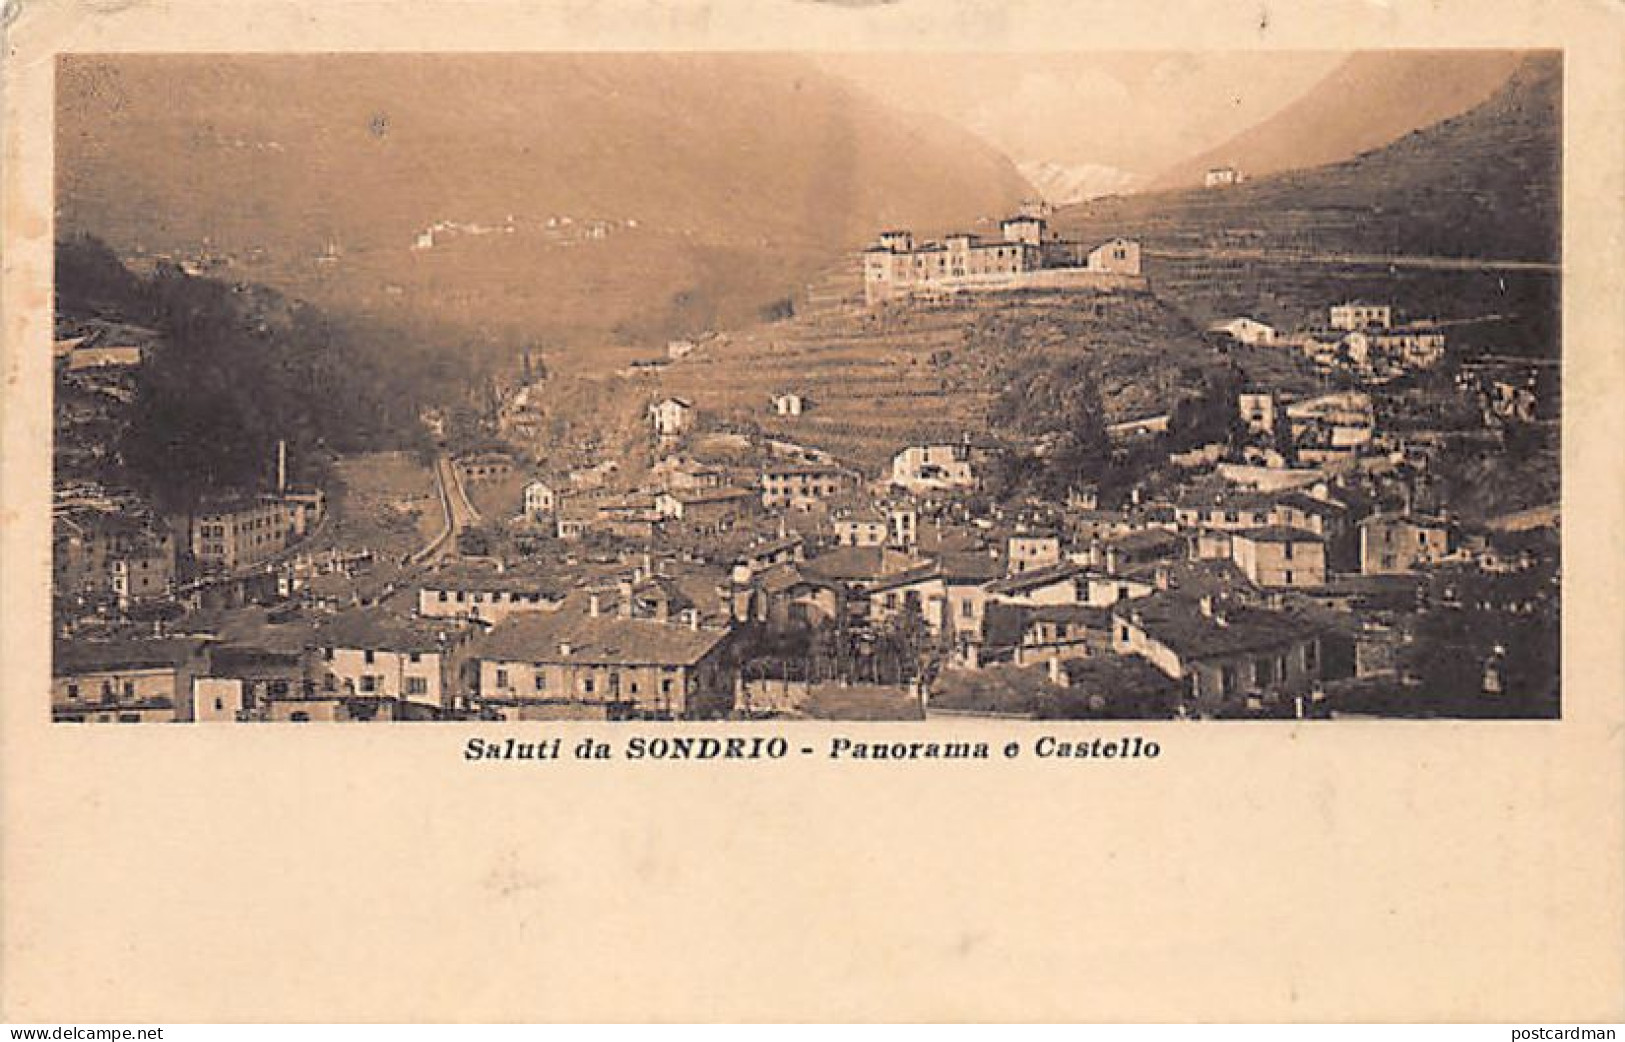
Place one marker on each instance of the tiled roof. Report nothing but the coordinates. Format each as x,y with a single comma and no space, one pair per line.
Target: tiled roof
373,629
604,640
1279,534
1177,622
89,656
1035,578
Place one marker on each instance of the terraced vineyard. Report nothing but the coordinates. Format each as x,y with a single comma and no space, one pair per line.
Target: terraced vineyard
879,380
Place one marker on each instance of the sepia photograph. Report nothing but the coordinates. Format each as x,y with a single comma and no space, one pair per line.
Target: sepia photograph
853,387
923,511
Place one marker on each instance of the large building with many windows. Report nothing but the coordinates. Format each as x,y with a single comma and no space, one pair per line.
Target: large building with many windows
1026,254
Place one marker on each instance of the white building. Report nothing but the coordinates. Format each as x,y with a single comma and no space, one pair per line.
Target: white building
671,417
1221,176
540,499
366,656
925,468
789,404
1245,330
1257,409
1119,256
1357,314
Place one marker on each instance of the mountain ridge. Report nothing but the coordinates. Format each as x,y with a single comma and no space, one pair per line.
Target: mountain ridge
1370,100
621,198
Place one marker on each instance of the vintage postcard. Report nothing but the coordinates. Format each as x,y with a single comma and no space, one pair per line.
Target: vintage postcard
813,511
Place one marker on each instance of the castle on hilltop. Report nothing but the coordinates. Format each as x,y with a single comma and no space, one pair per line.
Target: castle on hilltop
1027,255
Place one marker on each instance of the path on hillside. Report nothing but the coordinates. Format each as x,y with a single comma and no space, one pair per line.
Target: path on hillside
458,512
1363,260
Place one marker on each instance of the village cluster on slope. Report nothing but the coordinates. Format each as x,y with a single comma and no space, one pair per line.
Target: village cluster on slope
1308,565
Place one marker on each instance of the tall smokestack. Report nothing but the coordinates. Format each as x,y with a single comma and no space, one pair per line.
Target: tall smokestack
282,466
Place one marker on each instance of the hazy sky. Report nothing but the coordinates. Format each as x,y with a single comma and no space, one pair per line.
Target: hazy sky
1139,112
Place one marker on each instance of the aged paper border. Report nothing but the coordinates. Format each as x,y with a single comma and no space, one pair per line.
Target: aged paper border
1259,872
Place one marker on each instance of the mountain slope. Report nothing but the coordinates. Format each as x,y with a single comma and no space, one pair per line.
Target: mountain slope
506,197
1485,184
1368,101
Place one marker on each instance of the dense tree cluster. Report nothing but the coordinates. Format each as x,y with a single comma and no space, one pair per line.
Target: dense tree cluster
240,367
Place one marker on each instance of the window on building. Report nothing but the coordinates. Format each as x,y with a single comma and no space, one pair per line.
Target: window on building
299,717
369,682
665,686
502,678
587,685
368,656
414,656
129,689
73,691
417,685
540,680
219,705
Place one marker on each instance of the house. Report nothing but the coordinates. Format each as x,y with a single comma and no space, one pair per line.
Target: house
795,598
1257,410
489,595
634,517
709,508
789,404
485,466
1356,314
677,349
865,527
1245,330
947,594
1221,177
1395,543
927,468
1411,347
383,667
105,357
235,534
797,484
1279,556
541,499
1223,509
1313,510
125,681
1054,584
678,474
1133,550
1340,420
103,555
1118,256
1025,550
1219,650
763,554
1065,631
248,682
1140,427
904,523
621,667
671,417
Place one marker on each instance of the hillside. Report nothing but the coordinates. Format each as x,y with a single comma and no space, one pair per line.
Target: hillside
1484,185
1370,100
576,200
879,381
233,369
